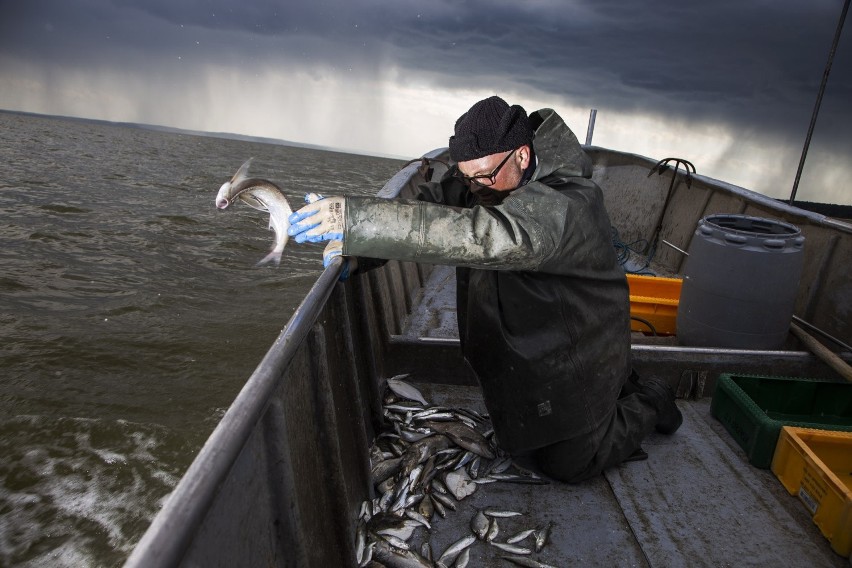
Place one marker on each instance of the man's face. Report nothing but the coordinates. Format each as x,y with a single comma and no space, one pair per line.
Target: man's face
509,168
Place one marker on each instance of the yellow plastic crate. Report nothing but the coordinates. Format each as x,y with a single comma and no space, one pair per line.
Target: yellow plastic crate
816,465
655,300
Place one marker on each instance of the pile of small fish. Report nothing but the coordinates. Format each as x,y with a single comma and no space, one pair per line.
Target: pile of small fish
426,460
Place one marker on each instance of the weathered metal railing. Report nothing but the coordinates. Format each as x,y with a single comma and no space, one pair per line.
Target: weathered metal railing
277,481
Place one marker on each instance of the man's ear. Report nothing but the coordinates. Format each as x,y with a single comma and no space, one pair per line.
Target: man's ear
524,153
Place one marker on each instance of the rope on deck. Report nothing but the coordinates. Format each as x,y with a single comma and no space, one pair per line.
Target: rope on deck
625,253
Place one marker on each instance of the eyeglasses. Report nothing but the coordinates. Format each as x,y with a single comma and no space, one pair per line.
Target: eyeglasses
485,180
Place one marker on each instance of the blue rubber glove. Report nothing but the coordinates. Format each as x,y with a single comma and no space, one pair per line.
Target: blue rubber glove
332,250
321,220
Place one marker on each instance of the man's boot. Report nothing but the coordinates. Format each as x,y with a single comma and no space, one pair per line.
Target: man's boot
662,396
631,386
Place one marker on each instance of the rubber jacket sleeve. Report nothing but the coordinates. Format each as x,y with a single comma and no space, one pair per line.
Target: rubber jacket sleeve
536,229
507,237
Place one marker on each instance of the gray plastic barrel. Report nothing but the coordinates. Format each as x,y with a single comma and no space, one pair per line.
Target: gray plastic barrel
739,283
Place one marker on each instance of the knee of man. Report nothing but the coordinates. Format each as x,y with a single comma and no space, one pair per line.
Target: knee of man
568,461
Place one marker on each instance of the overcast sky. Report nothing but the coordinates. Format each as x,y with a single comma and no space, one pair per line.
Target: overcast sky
728,84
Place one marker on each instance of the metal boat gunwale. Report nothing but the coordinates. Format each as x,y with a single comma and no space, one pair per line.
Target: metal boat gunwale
752,196
165,542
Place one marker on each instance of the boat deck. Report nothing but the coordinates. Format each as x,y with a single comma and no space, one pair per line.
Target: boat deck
696,501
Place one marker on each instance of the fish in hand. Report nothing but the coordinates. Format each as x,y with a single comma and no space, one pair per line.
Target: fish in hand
263,195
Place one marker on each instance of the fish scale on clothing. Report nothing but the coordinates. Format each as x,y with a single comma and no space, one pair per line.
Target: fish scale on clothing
427,459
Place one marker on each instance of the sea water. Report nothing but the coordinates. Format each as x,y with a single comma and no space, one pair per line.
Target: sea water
131,314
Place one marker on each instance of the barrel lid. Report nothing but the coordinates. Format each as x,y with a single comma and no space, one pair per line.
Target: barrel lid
751,225
741,229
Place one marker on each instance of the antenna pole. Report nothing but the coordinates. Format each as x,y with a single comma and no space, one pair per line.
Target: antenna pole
593,114
819,100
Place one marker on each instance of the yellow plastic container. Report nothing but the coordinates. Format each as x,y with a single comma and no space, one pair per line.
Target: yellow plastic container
655,300
816,465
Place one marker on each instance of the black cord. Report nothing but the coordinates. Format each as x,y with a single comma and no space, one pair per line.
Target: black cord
646,322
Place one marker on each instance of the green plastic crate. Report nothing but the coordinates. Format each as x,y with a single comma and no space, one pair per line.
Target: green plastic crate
753,408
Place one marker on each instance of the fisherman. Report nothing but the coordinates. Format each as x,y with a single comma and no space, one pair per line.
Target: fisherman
542,303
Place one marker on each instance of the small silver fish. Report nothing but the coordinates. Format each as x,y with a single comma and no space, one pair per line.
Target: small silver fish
429,473
263,195
396,542
385,469
501,514
479,525
426,507
511,548
386,500
397,558
455,549
360,542
522,479
415,516
405,390
468,422
402,531
473,469
366,511
438,507
541,537
463,460
444,500
438,485
463,436
523,535
401,501
499,465
463,560
427,412
414,476
439,416
415,435
368,554
403,407
493,531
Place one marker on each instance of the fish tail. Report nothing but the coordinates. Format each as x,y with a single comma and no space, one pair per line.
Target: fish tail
274,257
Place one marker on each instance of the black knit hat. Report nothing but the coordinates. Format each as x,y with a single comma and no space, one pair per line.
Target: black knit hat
490,126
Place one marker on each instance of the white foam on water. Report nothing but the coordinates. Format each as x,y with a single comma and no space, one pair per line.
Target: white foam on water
67,555
80,492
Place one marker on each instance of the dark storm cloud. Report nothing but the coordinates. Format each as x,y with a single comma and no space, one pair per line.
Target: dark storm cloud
754,65
753,62
736,61
703,56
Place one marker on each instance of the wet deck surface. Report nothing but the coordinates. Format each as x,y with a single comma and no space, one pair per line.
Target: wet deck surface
696,501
